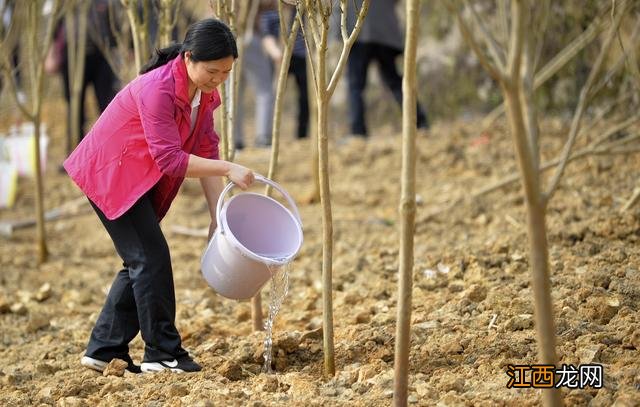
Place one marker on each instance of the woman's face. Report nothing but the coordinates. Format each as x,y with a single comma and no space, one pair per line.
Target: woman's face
207,75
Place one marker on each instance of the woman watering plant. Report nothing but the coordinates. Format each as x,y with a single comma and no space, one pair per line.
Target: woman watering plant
157,131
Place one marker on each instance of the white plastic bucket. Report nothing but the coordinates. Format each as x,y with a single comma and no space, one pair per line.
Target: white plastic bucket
254,232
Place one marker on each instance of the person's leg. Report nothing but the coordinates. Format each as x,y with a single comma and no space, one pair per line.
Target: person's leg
238,121
386,58
139,241
104,80
117,324
88,77
357,65
66,91
259,75
298,67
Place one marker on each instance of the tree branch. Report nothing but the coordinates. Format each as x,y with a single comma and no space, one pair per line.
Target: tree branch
346,47
556,63
308,45
494,71
582,101
517,40
495,51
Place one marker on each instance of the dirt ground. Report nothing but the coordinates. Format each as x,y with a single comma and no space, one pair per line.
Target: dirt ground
471,269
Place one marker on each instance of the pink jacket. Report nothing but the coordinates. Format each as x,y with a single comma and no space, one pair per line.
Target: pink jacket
142,141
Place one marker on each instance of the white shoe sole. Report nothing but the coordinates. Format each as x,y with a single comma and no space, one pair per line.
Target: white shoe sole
152,367
92,363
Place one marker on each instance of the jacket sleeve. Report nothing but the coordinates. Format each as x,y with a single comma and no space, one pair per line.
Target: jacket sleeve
156,107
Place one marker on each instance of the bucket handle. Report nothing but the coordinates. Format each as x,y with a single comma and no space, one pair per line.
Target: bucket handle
264,180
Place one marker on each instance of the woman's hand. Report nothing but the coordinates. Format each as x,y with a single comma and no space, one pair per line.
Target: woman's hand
239,175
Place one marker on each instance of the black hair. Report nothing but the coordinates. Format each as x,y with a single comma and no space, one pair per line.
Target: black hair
207,39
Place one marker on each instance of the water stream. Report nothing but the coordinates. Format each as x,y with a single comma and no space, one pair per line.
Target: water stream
277,293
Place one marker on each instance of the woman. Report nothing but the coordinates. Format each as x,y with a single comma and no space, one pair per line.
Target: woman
157,131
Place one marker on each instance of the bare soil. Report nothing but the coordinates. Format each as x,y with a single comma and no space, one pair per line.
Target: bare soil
471,269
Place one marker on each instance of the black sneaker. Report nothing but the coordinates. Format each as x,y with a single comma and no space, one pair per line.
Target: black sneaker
181,365
100,365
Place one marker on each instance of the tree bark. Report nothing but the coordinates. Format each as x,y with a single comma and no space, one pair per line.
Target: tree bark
318,14
327,236
407,208
538,249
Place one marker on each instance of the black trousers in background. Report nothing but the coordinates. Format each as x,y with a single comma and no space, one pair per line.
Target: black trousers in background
98,73
298,67
142,297
362,54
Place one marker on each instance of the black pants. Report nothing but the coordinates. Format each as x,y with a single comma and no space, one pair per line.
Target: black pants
98,73
298,67
362,54
142,297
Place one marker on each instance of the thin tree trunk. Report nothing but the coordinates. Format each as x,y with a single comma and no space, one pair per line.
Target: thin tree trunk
325,201
281,86
36,98
41,237
37,70
314,195
327,235
407,208
538,250
537,230
37,73
224,125
318,14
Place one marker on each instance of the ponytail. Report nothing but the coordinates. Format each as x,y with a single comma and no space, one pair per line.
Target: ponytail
161,57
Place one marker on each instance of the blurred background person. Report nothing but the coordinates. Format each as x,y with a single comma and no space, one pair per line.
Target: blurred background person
270,28
97,71
258,69
381,40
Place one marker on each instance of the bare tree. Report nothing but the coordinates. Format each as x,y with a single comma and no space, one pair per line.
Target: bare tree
558,62
407,207
318,13
514,69
287,39
38,33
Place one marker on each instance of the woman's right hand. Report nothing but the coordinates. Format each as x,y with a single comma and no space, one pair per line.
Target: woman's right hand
239,175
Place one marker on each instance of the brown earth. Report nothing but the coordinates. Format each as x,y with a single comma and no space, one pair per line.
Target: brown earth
471,268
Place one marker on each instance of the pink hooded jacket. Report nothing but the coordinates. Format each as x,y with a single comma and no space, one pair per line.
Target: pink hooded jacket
142,140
